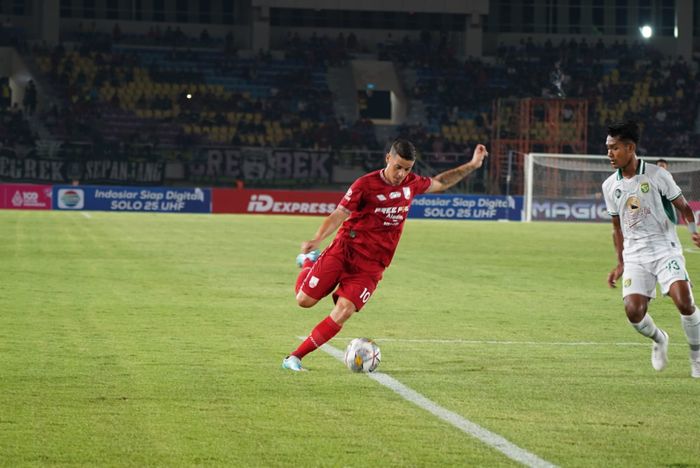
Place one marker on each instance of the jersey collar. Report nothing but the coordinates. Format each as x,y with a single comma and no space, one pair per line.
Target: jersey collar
386,181
641,169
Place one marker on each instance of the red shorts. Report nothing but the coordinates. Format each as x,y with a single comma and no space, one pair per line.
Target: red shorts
355,276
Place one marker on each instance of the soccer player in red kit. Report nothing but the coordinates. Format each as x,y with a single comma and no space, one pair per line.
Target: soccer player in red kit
371,216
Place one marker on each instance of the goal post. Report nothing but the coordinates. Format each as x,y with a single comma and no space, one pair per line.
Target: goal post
567,187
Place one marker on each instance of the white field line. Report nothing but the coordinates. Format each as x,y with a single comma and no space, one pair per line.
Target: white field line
489,438
86,214
692,250
517,343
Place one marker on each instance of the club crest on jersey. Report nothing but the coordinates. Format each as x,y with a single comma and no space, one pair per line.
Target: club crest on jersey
394,195
628,282
381,197
407,193
618,193
645,187
313,282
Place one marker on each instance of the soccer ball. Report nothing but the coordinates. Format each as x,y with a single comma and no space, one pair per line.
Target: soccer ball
362,355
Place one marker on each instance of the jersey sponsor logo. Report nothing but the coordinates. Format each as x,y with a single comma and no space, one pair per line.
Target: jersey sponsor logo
394,195
633,203
645,187
636,213
407,193
313,282
381,197
262,203
389,210
348,194
394,215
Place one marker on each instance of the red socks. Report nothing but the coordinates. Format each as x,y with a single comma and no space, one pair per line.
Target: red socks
324,331
305,268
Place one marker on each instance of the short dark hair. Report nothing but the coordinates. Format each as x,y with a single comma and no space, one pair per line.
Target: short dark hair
628,130
662,160
404,148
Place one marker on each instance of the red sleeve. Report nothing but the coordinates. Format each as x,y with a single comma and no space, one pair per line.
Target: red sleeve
352,198
422,184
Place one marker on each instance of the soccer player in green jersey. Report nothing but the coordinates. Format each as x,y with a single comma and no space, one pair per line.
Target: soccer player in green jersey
646,242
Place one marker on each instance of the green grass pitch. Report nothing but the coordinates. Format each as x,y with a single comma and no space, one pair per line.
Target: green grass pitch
156,340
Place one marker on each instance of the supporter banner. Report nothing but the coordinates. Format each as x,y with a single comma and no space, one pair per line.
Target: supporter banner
25,197
194,200
260,166
104,171
555,209
485,207
274,202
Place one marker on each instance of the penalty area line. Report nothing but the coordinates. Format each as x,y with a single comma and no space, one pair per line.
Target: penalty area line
489,438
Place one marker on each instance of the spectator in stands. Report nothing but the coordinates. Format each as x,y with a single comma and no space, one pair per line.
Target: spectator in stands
662,163
30,98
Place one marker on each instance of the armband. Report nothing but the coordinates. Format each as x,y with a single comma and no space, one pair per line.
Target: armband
693,228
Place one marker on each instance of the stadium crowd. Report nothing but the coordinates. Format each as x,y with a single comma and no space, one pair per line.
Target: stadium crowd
204,91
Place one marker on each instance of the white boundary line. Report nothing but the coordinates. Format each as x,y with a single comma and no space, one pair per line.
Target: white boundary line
516,343
692,250
491,439
87,215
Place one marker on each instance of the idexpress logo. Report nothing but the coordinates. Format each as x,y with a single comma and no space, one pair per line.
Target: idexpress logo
262,203
71,199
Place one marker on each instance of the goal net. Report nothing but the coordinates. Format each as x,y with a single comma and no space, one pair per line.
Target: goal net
567,187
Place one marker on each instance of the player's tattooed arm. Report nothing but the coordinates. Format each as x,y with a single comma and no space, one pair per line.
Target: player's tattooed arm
447,179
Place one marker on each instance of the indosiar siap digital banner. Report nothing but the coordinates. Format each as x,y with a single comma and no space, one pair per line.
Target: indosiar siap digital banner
103,198
484,207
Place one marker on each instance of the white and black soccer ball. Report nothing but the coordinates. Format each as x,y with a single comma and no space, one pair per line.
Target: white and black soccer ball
362,355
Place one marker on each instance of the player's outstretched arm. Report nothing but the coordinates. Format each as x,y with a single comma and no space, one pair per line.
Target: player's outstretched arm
616,272
328,227
682,205
447,179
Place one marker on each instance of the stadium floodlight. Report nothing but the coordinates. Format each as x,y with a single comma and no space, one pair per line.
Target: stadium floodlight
647,31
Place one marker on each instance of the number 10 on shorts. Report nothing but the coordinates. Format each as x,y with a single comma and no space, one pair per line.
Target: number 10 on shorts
364,297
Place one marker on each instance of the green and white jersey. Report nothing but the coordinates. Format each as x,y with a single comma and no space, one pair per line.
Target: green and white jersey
647,227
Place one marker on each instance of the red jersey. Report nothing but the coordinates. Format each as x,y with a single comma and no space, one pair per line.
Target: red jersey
378,211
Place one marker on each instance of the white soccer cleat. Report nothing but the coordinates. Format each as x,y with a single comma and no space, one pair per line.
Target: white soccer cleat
313,256
695,368
659,353
292,363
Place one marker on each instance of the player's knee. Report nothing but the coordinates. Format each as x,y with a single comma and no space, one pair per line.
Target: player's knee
305,301
686,308
635,310
343,310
